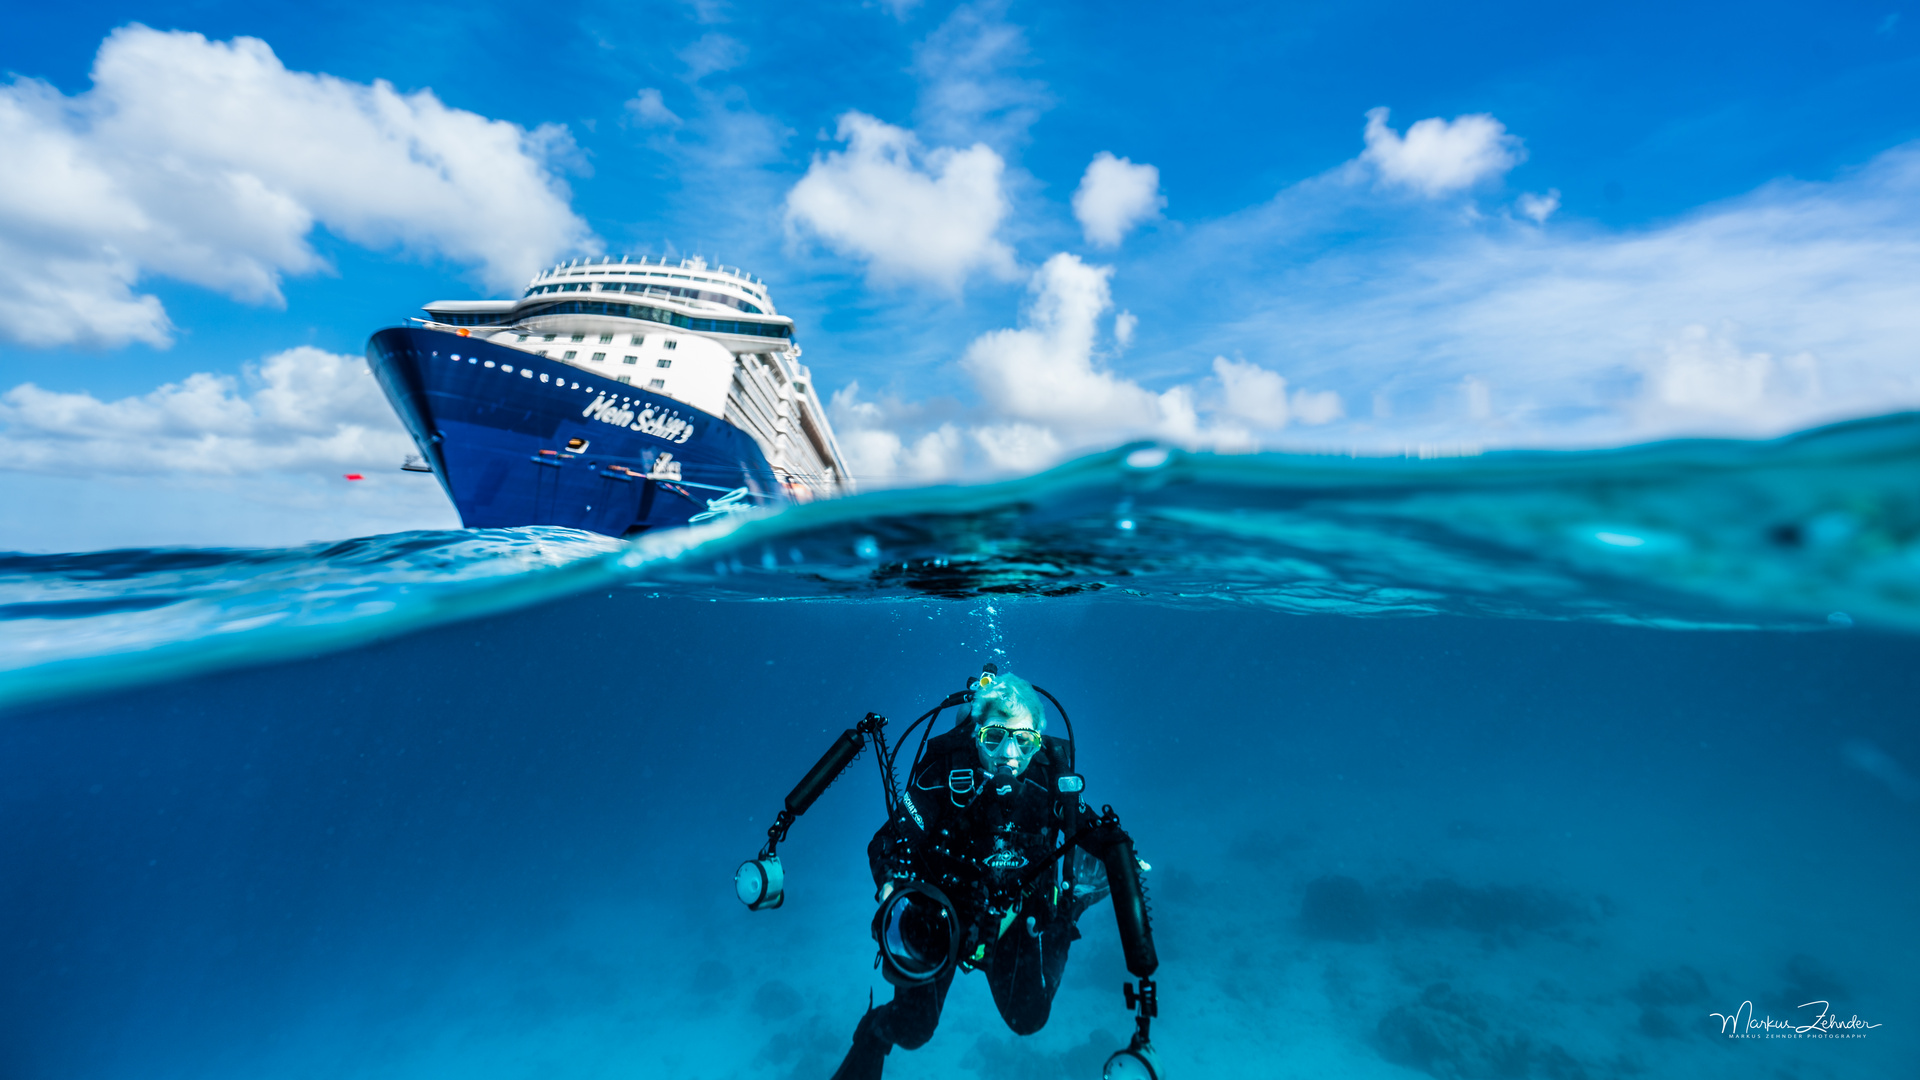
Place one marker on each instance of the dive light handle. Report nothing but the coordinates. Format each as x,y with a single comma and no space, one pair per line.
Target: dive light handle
826,770
1114,848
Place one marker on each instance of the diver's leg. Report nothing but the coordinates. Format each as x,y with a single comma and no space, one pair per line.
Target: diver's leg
1024,973
907,1021
868,1056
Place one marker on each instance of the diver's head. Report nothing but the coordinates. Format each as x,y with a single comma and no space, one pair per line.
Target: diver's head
1008,719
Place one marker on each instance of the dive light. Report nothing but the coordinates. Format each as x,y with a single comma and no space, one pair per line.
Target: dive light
1136,1062
760,883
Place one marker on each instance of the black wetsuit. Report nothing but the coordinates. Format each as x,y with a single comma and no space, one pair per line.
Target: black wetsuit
975,837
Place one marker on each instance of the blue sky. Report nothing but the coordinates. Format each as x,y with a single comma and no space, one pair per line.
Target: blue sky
1612,224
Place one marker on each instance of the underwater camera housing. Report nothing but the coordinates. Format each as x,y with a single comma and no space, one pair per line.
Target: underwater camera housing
918,934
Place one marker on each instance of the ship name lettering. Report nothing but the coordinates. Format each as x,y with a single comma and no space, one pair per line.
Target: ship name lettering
661,426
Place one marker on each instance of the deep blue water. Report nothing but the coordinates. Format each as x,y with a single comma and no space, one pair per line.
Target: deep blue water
1434,779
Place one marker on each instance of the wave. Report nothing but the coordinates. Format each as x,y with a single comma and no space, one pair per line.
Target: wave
1816,530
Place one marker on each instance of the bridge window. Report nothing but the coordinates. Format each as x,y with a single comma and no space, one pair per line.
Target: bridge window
639,339
673,344
606,339
579,337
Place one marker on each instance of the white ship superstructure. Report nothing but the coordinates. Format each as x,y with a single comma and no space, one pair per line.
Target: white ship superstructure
708,337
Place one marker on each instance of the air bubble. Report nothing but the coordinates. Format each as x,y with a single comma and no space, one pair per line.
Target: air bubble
867,548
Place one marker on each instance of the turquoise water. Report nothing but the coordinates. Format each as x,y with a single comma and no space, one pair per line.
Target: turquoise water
1520,764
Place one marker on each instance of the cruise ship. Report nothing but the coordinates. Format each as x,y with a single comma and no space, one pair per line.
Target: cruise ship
617,395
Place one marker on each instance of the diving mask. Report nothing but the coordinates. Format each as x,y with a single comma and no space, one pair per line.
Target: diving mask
994,737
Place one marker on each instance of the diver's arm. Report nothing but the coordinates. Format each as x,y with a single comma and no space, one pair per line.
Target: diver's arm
882,855
895,851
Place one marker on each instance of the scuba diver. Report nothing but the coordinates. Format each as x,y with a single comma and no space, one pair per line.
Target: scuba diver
986,861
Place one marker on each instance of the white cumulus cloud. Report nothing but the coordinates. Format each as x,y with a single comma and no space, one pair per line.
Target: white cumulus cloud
1045,372
301,410
910,214
876,451
1439,157
1701,372
1114,196
1047,391
211,163
1259,397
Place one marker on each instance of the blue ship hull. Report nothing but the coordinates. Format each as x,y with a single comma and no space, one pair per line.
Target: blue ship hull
518,439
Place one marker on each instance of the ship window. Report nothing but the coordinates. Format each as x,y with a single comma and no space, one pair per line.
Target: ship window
665,361
599,356
522,337
570,355
656,384
629,359
625,379
673,344
579,337
542,352
606,339
549,337
639,339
